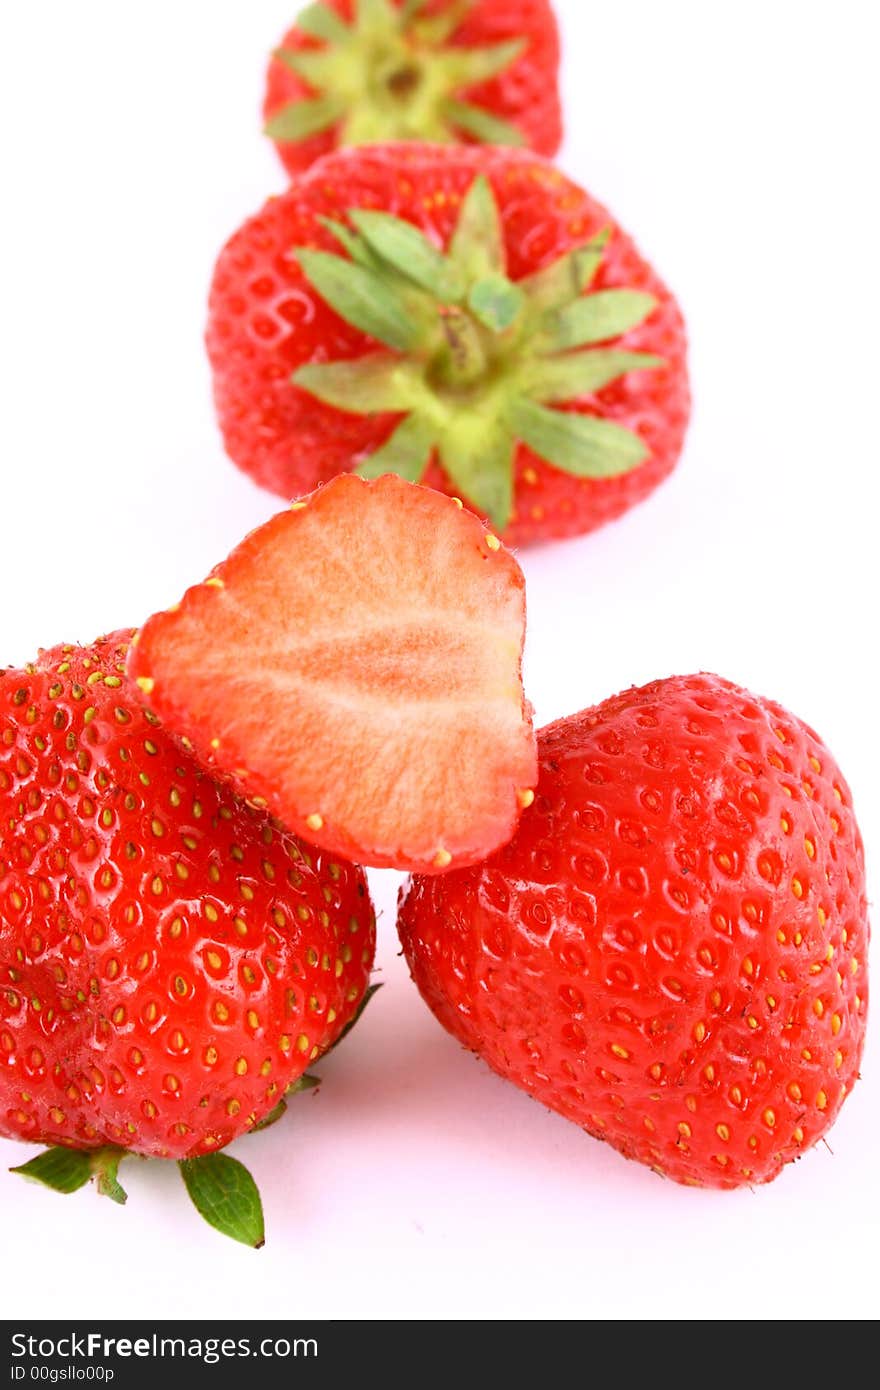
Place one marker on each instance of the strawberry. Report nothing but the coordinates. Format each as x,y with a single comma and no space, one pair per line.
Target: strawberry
672,950
469,318
355,72
383,629
171,960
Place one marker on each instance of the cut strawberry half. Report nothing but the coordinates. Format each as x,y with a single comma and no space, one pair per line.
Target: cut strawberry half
355,665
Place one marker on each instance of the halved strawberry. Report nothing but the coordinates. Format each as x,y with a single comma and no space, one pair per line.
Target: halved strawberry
355,665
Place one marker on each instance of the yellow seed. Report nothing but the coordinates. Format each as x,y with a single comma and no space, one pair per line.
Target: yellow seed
525,799
769,1118
146,684
684,1130
241,1067
493,542
442,859
315,822
836,1024
723,1133
620,1052
214,583
821,1100
699,1032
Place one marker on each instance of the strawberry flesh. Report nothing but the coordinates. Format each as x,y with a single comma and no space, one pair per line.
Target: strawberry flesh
355,665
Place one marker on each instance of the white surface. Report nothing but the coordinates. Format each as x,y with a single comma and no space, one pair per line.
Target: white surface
739,149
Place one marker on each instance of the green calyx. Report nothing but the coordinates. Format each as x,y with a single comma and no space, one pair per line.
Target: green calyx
392,74
220,1188
477,362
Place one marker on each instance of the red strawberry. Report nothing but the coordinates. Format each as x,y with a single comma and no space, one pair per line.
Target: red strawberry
383,627
171,961
355,72
672,952
461,347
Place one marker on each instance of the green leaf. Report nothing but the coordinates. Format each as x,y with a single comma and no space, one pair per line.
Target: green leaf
352,1023
105,1167
375,14
366,385
407,452
323,23
478,452
596,318
482,125
307,1082
435,30
467,67
314,65
353,244
272,1118
409,251
580,373
566,279
496,302
578,444
366,299
300,119
225,1194
64,1170
477,248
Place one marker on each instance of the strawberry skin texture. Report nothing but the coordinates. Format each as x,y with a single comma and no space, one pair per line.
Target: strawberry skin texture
170,959
672,951
526,94
266,322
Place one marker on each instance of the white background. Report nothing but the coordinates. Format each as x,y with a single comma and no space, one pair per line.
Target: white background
738,143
